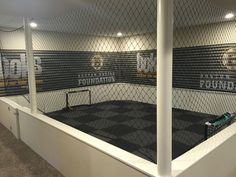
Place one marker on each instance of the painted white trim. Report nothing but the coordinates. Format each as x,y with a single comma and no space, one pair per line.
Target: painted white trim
131,160
214,157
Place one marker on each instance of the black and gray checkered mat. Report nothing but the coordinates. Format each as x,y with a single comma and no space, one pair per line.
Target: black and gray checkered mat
132,126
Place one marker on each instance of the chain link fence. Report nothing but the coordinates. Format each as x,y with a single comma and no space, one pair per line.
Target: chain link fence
96,71
203,74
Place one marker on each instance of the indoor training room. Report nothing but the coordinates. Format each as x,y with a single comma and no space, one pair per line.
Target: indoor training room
117,88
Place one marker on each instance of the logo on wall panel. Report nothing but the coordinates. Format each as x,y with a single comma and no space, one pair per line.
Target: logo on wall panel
97,62
13,72
98,77
89,79
220,82
229,59
146,65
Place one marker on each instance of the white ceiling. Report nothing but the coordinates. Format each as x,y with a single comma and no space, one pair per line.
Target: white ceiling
39,8
107,17
228,4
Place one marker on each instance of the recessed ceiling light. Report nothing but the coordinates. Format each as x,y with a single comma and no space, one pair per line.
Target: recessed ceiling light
119,34
33,25
229,15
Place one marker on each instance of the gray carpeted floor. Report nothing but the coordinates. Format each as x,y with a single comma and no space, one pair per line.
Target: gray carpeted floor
18,160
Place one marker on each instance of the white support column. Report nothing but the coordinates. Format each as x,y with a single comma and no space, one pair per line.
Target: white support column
30,64
164,86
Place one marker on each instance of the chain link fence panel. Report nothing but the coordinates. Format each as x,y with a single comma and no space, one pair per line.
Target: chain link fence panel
96,70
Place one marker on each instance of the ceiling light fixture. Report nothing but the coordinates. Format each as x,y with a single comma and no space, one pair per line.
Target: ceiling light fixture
119,34
229,15
33,25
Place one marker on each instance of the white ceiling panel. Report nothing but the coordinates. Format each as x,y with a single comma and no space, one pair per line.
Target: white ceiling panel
107,17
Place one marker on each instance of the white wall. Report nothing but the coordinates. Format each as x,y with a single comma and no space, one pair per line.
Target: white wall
43,40
208,102
21,100
73,153
55,100
210,34
213,158
139,42
73,42
219,33
9,116
76,154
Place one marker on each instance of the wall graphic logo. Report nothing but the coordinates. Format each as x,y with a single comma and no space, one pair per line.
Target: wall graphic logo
13,72
89,79
97,62
146,65
229,59
98,77
220,82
